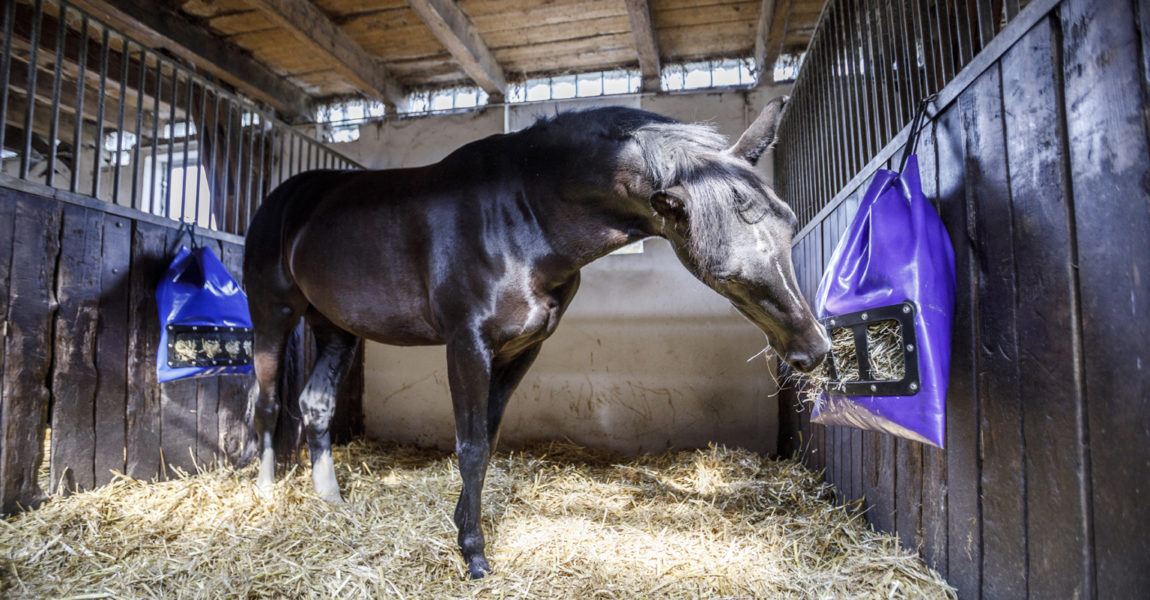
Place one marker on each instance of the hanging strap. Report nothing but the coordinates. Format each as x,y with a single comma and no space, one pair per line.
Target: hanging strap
912,140
186,227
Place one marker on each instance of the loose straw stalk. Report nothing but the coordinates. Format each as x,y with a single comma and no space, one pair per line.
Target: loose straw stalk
562,522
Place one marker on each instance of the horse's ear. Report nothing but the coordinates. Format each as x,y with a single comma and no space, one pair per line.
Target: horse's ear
761,134
669,205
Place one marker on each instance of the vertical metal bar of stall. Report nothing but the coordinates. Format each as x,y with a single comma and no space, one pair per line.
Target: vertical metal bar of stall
891,87
986,22
260,192
245,178
848,117
201,126
188,124
962,33
240,195
214,190
281,153
57,80
819,122
141,91
30,90
945,44
101,96
830,109
882,108
860,67
905,74
1011,10
923,45
6,63
225,188
157,91
172,101
125,63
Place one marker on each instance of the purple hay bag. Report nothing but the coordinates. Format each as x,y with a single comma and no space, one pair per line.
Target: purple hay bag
198,290
896,249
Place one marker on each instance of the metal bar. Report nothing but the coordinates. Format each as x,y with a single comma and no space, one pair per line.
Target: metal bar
260,192
890,84
906,70
30,109
225,191
281,155
849,118
201,127
882,105
188,124
862,69
214,190
963,33
159,86
945,45
6,63
101,94
57,77
986,22
241,171
171,141
139,130
1011,10
125,54
923,36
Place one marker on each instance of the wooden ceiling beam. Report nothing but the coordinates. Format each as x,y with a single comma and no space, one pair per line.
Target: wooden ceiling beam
773,19
639,11
162,28
315,30
454,29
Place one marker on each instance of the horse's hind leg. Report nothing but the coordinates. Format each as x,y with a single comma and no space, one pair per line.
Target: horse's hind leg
271,336
335,348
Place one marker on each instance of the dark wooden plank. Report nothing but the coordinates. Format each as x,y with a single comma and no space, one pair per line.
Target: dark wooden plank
7,220
1057,549
964,532
856,464
177,398
236,439
112,348
996,357
884,490
1107,131
74,376
934,518
28,349
870,472
908,494
143,414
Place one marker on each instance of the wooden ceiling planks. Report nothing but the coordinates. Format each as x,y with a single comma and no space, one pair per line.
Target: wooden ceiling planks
521,38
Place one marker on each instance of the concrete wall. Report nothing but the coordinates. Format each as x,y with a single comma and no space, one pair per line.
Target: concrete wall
646,357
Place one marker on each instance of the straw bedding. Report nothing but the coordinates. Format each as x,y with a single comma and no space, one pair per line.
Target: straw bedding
561,522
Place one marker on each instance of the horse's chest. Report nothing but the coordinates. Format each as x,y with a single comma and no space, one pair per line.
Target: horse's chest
523,318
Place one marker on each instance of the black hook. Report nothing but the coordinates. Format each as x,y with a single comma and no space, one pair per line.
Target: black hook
190,230
912,140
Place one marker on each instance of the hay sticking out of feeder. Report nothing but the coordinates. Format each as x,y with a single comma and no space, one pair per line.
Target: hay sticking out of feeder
561,522
884,350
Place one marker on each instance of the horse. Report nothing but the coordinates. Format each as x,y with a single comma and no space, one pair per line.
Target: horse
481,252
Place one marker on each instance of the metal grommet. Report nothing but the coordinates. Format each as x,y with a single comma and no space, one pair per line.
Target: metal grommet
906,308
910,347
873,387
913,386
864,316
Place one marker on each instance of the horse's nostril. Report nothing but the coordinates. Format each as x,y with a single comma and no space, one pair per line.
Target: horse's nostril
803,361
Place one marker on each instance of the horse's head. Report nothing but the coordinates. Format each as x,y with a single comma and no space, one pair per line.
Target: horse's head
731,230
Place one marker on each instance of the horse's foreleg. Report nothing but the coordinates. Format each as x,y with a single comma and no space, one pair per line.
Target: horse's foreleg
504,379
469,373
317,405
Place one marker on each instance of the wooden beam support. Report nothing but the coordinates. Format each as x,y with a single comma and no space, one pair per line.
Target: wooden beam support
645,43
459,36
160,27
316,31
773,18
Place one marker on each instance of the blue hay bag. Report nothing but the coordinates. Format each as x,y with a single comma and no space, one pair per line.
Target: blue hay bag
206,329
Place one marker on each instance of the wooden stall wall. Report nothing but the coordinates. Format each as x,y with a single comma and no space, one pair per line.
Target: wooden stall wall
80,328
1040,170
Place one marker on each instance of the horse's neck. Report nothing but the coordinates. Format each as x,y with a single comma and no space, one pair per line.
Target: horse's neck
586,214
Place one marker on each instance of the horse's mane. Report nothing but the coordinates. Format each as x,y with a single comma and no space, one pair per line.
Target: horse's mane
719,186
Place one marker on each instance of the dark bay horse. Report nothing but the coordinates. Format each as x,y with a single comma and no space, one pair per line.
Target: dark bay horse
482,252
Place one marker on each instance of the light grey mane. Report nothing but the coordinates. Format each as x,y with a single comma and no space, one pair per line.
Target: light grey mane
722,189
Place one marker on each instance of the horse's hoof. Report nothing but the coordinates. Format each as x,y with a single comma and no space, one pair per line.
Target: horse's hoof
264,490
333,499
477,568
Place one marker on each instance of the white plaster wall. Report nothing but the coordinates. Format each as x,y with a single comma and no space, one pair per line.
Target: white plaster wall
646,357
